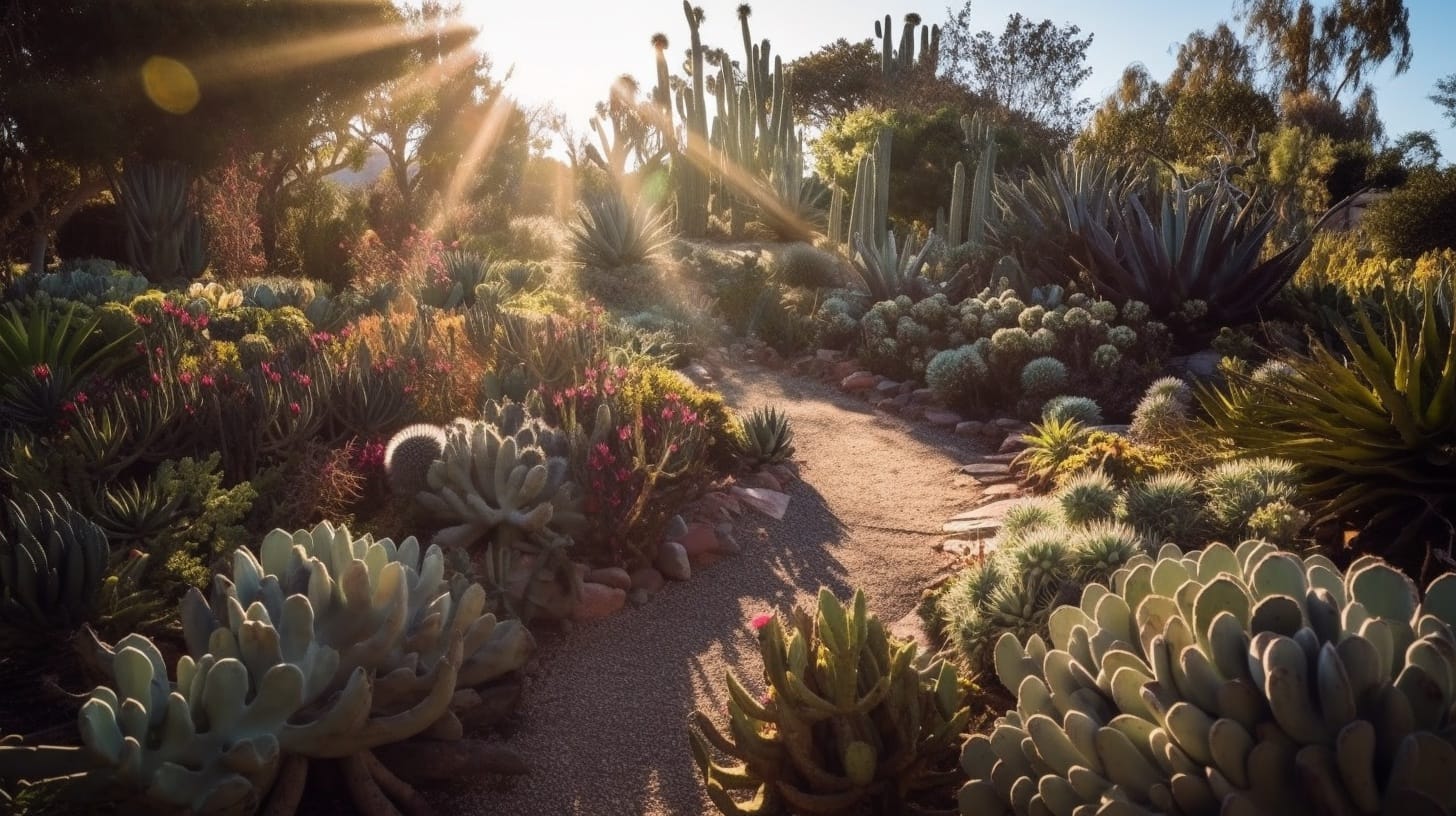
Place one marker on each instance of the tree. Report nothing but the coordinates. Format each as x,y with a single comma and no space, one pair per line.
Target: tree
1445,96
1418,217
1331,50
1032,68
845,76
93,83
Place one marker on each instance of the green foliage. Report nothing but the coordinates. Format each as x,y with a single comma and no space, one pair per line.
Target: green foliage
612,233
926,145
1245,680
803,265
1089,497
208,523
46,357
1237,490
1416,217
1049,444
1369,423
1043,377
1168,507
1121,459
52,563
853,721
766,438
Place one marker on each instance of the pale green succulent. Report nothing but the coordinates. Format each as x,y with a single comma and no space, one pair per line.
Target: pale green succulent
1028,514
1236,490
1123,337
1167,507
1158,418
1135,311
1088,497
1077,318
1043,377
1228,681
1084,410
1102,547
1106,356
1104,310
1043,341
1031,318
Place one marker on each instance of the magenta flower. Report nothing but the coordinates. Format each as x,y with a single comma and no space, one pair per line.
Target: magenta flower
760,621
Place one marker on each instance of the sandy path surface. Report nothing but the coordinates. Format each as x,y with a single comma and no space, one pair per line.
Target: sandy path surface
603,723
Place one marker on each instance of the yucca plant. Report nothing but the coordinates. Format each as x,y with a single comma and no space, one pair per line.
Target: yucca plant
767,438
890,272
1371,423
611,233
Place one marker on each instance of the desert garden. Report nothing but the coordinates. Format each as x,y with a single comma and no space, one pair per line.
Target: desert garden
884,429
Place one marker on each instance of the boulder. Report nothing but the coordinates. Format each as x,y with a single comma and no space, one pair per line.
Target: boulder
598,601
672,561
941,418
858,381
762,479
647,579
969,428
700,543
611,576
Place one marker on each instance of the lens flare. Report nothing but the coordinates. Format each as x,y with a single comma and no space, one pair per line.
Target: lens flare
170,85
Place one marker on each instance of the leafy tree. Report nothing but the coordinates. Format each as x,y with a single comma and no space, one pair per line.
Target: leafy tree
844,76
1031,68
1328,50
1418,217
1445,96
83,91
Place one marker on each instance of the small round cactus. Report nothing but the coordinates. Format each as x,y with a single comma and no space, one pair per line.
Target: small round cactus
1062,408
1031,317
1103,547
1135,311
1274,372
1043,341
1236,490
1159,418
408,456
1028,515
1172,387
1123,337
1043,376
1054,320
1106,356
1077,318
954,372
1168,507
1089,497
1104,310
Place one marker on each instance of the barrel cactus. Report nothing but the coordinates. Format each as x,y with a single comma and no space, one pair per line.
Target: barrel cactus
1043,377
373,647
1233,681
1066,407
852,722
408,456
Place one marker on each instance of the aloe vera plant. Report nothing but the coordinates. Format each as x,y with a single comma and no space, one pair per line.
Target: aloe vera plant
1372,423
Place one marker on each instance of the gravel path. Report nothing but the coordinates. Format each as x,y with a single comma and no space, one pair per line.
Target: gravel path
603,723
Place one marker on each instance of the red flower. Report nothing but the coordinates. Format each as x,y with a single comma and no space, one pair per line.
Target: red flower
41,371
293,407
185,378
760,621
207,381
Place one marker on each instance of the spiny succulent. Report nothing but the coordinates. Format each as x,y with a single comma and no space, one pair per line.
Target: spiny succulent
767,437
1064,407
1043,376
408,456
1167,507
1089,497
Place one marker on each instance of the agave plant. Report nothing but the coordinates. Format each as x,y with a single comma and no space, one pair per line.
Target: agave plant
890,272
767,437
611,233
1197,244
1372,424
45,358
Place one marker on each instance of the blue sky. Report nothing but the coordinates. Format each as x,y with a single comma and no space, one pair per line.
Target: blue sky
567,52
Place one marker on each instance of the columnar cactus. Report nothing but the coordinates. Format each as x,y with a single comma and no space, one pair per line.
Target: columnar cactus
1234,681
852,722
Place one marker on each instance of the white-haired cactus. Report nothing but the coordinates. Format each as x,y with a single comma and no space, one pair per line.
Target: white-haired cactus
1043,376
324,646
1232,681
408,456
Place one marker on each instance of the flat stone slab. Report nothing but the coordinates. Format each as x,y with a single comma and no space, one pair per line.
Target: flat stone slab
974,525
979,469
942,419
999,458
994,510
1000,491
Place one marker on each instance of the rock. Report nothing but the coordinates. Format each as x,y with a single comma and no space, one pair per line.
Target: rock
1003,458
983,525
829,355
647,579
722,503
911,411
696,372
807,366
844,368
638,597
728,545
911,627
784,472
888,388
858,381
700,543
771,503
1202,365
1011,425
610,576
923,396
672,561
762,479
1012,442
961,547
598,601
969,428
1000,491
994,510
941,418
980,469
888,405
906,388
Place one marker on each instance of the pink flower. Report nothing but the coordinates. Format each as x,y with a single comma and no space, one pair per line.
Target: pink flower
293,407
41,371
185,378
207,381
760,621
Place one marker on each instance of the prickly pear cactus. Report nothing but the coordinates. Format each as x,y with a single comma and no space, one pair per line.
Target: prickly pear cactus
852,722
1229,681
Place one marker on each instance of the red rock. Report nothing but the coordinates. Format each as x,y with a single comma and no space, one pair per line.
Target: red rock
611,576
844,368
598,601
858,381
701,543
648,580
672,561
1012,442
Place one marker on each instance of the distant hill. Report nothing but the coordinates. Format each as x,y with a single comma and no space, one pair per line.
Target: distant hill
375,164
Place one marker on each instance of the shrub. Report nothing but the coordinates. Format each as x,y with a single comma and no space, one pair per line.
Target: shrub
1237,490
1042,376
1121,459
766,438
1048,446
1283,685
1417,217
803,265
1083,410
1028,515
956,375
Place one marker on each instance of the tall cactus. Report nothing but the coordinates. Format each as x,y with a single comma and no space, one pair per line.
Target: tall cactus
869,213
897,64
971,217
690,169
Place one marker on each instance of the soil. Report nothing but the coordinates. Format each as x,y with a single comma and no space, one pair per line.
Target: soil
603,721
